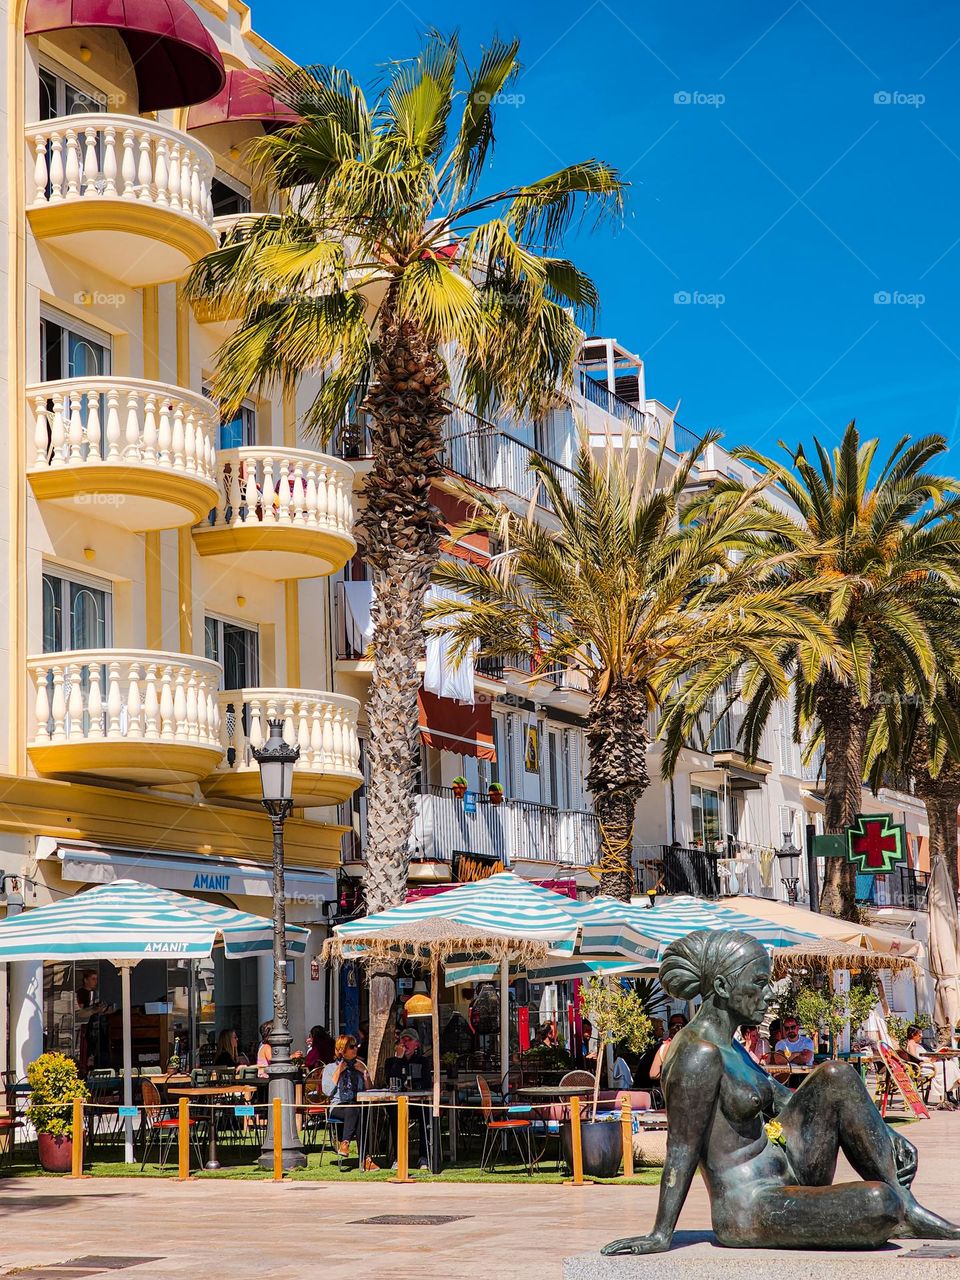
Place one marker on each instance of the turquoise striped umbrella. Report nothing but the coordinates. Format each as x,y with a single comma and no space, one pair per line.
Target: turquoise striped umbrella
126,922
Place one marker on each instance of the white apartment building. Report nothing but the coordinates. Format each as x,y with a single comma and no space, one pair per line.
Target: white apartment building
162,570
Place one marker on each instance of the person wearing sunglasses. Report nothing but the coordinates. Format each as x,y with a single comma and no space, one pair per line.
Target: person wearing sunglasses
794,1049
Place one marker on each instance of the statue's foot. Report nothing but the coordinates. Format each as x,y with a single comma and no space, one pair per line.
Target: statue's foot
922,1224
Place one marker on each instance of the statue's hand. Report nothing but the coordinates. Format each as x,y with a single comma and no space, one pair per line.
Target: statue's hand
905,1155
656,1242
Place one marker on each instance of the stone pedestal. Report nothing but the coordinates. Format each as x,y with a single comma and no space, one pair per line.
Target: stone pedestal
696,1257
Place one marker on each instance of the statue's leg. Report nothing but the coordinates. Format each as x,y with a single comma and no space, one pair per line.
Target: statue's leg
853,1215
832,1112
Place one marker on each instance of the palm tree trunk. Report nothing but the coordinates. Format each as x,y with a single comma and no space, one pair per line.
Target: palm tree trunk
941,798
844,722
617,777
399,533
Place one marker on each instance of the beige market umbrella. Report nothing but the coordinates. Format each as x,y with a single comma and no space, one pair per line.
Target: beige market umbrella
870,937
944,946
827,956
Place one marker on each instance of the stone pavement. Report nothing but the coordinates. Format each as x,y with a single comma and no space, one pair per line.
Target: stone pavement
298,1230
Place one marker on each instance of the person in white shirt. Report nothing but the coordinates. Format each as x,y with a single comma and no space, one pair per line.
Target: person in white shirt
937,1073
794,1049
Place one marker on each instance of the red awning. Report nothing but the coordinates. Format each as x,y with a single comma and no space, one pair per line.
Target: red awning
175,58
245,96
457,727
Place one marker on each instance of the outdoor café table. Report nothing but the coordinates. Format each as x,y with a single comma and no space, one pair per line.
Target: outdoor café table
546,1094
944,1056
212,1091
369,1099
786,1071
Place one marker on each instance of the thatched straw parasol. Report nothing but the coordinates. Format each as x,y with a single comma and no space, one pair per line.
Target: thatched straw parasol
826,956
435,938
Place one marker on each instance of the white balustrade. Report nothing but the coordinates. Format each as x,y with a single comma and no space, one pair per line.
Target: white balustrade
125,695
102,156
284,488
322,725
84,422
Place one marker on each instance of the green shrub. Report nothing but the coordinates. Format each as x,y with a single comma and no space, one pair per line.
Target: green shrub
54,1083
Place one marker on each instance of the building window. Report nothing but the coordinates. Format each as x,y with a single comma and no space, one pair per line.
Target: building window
237,432
236,648
705,814
228,197
58,97
70,349
77,613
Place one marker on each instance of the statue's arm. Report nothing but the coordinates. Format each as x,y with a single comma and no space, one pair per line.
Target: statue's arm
692,1093
781,1095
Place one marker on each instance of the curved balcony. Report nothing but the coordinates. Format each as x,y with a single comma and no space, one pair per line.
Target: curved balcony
282,513
125,714
128,195
137,454
323,725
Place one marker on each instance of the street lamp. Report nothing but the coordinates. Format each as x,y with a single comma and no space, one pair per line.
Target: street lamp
789,858
276,760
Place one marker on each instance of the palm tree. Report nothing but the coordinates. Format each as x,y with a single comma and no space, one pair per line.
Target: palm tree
386,259
888,551
635,594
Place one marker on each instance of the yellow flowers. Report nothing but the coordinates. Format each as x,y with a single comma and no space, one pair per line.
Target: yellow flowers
774,1131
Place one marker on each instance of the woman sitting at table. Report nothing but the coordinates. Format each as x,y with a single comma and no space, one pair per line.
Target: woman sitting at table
265,1051
228,1050
342,1080
755,1044
934,1072
770,1187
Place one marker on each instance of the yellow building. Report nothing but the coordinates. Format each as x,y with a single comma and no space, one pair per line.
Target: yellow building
161,570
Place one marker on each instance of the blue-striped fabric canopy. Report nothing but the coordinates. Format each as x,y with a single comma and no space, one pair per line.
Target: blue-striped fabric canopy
502,906
126,920
554,969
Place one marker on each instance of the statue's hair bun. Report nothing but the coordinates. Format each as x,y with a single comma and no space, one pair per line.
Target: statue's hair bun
691,964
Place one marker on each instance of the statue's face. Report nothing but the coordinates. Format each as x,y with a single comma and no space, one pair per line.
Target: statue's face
749,993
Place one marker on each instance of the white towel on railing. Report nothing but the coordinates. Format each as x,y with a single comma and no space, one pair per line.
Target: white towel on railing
357,603
442,676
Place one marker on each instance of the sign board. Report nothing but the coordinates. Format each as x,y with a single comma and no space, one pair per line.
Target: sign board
124,1112
244,1110
905,1086
470,802
876,844
830,846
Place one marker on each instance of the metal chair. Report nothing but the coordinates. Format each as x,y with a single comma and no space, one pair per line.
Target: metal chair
160,1127
497,1129
576,1079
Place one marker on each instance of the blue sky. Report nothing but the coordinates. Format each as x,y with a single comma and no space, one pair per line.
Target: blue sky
792,166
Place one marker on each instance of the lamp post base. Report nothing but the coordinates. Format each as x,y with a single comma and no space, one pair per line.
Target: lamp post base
282,1074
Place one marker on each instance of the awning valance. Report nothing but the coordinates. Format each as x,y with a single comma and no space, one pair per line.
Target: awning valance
175,59
456,726
85,863
245,96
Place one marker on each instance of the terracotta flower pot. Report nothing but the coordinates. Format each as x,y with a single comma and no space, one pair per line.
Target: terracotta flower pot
459,790
56,1153
602,1144
495,797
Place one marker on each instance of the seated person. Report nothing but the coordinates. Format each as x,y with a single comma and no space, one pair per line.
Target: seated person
676,1024
322,1048
755,1044
342,1080
913,1050
641,1076
794,1049
228,1050
622,1077
546,1037
408,1069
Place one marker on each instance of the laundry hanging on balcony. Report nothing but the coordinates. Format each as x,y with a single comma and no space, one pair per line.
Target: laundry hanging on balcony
455,726
444,676
357,603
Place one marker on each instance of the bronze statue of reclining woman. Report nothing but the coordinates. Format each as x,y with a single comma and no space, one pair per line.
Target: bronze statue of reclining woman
770,1189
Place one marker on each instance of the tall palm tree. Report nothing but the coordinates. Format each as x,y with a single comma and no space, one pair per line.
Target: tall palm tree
395,275
888,550
636,593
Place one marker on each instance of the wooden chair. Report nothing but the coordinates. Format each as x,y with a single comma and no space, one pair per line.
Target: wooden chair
160,1127
497,1129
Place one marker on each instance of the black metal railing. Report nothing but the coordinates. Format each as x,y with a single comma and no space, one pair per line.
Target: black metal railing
904,887
675,869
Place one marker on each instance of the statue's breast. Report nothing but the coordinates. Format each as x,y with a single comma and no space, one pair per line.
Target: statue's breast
743,1095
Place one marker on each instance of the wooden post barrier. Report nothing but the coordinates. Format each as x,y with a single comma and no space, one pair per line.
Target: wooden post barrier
403,1140
277,1140
626,1132
183,1140
577,1137
76,1158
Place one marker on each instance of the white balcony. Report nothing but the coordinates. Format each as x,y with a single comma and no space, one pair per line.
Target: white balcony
322,725
281,513
136,454
128,195
125,714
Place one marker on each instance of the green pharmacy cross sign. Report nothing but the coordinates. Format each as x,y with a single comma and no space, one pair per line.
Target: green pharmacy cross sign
875,843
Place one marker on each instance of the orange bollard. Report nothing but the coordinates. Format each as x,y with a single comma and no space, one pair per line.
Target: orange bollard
183,1140
403,1140
76,1158
277,1140
626,1131
577,1136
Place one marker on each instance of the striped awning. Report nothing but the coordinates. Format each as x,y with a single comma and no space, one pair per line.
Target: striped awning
503,906
126,920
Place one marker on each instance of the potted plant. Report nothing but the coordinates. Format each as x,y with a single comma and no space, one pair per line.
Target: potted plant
54,1084
495,792
459,786
618,1017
